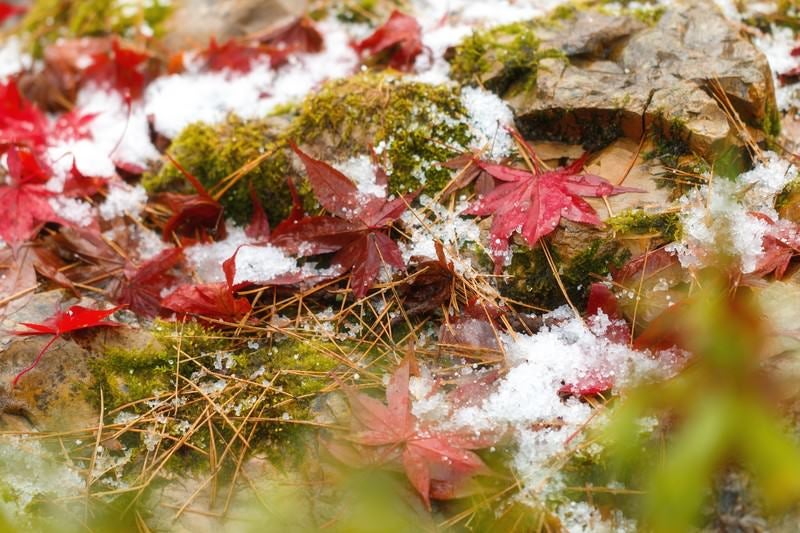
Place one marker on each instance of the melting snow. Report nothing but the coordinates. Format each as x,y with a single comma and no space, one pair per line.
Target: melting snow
489,116
362,172
123,199
719,217
178,100
526,400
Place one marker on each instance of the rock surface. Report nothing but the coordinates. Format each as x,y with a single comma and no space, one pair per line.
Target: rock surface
619,71
193,22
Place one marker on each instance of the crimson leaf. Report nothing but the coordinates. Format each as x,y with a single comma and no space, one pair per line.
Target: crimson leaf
75,318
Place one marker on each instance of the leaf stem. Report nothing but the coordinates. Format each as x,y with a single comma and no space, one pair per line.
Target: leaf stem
35,361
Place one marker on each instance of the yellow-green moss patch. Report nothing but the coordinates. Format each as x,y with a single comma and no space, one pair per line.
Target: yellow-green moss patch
48,20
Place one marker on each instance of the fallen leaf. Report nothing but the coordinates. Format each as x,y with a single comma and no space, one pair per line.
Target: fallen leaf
215,300
73,319
400,37
25,198
533,203
358,232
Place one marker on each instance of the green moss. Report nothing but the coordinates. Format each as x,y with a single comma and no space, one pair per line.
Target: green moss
501,57
771,124
211,153
639,222
48,20
788,195
295,370
531,280
414,126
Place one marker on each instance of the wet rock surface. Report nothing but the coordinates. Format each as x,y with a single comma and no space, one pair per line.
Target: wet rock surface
626,75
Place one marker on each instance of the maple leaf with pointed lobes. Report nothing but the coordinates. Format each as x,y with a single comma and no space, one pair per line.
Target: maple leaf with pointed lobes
400,37
140,286
532,204
213,300
300,35
24,198
358,231
21,122
438,465
121,67
73,319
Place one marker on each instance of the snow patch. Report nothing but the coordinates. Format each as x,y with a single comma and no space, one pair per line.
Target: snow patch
489,117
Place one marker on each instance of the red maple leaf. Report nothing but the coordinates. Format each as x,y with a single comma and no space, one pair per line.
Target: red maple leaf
24,198
400,37
258,228
140,286
437,464
10,10
532,204
21,122
192,211
122,67
75,318
781,243
358,232
213,300
233,55
300,35
77,184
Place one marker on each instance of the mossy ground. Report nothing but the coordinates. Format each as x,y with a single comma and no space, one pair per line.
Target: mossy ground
277,381
414,126
531,280
501,57
48,20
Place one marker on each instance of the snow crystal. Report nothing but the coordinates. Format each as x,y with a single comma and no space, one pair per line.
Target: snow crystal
72,209
261,264
581,517
436,223
362,172
207,259
720,217
489,116
29,470
123,199
121,133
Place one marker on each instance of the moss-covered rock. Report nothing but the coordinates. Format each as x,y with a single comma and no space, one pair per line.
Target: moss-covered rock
501,56
277,382
414,126
48,20
579,263
664,226
215,152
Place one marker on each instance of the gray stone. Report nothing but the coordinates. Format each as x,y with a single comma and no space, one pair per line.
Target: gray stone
622,76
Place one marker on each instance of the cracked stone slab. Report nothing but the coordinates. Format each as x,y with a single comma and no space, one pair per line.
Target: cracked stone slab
622,76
